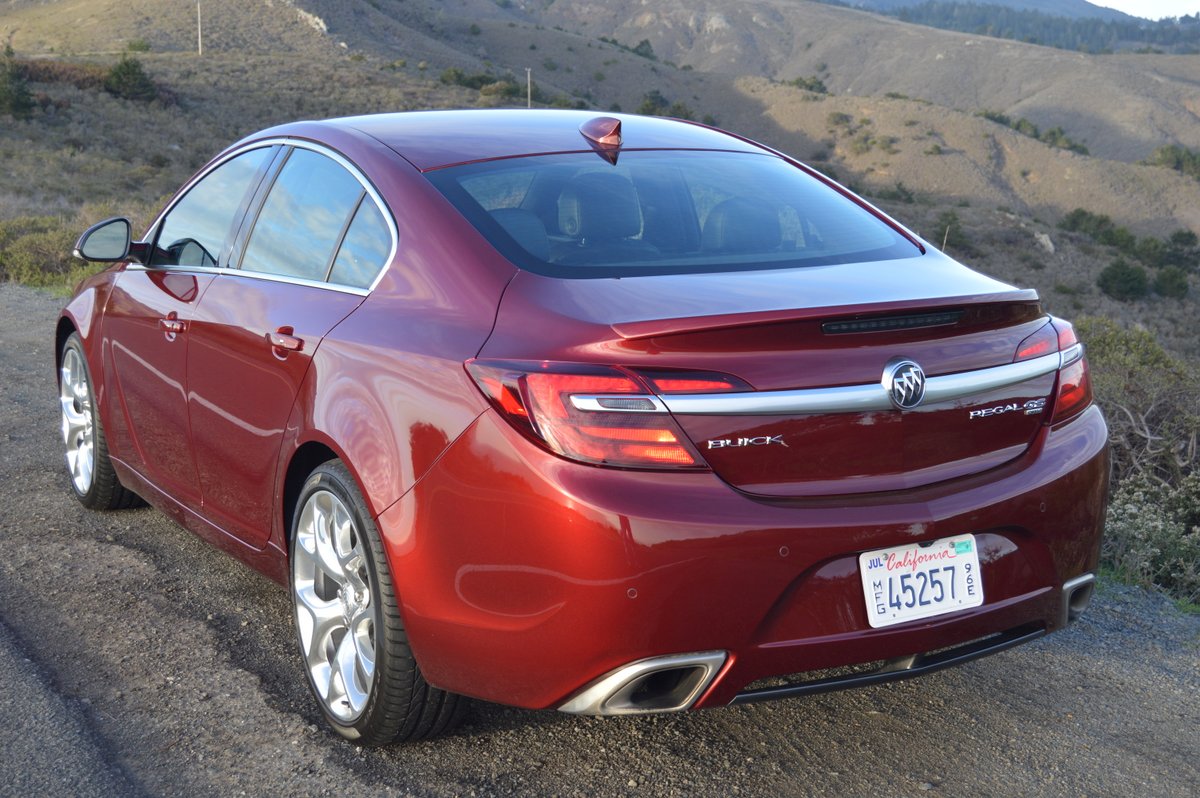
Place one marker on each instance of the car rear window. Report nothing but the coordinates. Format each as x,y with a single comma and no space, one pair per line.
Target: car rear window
663,212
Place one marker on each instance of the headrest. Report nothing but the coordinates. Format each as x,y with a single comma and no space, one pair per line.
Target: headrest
599,206
741,225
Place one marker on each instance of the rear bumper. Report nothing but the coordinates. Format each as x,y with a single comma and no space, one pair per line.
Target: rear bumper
525,579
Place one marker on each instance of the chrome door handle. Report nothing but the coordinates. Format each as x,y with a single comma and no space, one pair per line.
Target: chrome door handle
282,341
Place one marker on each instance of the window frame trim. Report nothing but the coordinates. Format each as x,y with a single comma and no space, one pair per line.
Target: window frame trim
250,214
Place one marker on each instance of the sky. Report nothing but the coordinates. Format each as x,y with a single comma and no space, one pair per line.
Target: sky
1152,9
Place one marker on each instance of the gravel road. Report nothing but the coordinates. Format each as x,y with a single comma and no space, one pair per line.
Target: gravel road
135,659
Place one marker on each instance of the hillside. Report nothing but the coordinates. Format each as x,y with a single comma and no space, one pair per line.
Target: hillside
84,153
1073,9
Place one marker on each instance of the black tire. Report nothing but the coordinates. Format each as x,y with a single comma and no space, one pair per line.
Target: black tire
104,491
400,706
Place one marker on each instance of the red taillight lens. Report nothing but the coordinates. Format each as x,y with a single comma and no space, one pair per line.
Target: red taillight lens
1042,342
597,414
1074,391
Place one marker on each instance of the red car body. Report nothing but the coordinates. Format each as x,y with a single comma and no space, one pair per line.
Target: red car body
526,577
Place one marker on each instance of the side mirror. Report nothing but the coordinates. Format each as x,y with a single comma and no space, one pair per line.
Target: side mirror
105,242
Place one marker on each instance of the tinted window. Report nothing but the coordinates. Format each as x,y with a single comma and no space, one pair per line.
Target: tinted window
575,215
303,217
194,231
365,249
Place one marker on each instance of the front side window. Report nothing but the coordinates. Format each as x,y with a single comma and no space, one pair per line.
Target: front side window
195,231
664,212
304,218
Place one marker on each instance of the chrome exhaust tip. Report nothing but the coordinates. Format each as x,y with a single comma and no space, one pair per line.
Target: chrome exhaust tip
658,684
1076,596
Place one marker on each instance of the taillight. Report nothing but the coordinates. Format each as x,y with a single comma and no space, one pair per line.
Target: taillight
1074,387
597,414
1042,342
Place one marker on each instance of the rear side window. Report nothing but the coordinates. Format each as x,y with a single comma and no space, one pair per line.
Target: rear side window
195,230
364,249
576,215
303,218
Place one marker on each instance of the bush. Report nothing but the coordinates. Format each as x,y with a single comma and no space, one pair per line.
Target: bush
1171,282
1152,536
951,234
15,99
813,84
36,250
128,80
1123,281
1149,397
838,119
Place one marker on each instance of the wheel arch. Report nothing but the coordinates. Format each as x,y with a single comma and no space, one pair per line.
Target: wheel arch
307,457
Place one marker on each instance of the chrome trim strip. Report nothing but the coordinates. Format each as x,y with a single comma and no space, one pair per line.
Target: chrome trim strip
860,398
591,403
274,278
1071,354
302,145
593,700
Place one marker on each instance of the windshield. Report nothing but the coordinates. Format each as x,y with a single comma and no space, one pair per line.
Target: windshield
663,212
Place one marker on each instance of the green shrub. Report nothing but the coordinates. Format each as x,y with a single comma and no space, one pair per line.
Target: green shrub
1123,281
1152,536
1172,282
951,234
653,103
15,99
838,119
813,84
128,80
1149,397
644,49
138,46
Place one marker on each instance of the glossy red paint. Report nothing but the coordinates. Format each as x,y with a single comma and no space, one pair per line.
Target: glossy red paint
556,568
525,576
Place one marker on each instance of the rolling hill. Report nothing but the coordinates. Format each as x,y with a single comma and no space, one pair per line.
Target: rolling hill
899,119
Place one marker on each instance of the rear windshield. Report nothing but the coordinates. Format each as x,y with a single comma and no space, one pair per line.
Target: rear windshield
663,212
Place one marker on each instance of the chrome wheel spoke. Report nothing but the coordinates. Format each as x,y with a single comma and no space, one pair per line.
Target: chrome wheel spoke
355,684
318,620
77,422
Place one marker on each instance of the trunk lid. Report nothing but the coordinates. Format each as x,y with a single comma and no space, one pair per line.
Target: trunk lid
814,344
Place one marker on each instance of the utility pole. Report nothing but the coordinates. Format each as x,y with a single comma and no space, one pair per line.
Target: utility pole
528,87
199,32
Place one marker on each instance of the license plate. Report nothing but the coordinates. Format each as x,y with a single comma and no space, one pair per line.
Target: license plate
910,582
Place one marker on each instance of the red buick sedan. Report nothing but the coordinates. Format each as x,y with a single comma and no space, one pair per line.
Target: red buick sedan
608,414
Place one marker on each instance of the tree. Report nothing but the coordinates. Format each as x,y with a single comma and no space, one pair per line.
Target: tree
128,80
15,98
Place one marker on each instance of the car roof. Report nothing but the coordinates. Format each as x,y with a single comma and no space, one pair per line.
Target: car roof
434,139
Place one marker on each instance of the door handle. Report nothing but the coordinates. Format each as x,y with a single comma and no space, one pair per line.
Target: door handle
283,341
172,325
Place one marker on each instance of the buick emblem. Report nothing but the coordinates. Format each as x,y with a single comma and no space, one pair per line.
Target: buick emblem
904,382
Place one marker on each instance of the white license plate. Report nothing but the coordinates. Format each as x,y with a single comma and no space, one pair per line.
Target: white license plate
909,582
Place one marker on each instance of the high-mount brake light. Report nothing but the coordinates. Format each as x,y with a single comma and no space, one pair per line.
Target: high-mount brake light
605,415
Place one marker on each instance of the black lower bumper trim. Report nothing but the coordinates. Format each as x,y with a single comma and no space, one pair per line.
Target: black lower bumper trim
901,668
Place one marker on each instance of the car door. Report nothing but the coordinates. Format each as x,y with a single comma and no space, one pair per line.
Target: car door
147,319
254,334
